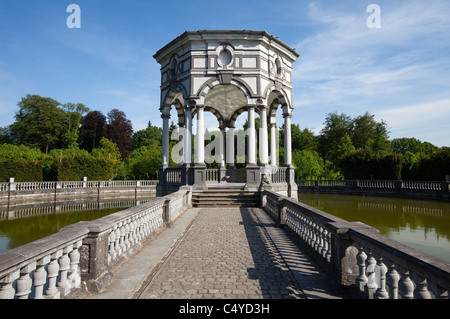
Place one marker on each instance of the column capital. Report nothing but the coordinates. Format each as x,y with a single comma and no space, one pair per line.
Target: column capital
190,103
165,116
287,115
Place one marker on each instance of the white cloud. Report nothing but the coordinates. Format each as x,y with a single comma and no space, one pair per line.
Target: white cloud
346,67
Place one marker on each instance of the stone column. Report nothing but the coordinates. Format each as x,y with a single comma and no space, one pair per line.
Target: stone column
290,169
231,169
188,135
181,156
230,146
253,171
222,169
273,145
287,139
222,147
165,140
200,167
263,147
251,136
200,137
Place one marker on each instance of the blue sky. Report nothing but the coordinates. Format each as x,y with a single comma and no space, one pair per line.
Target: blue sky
399,72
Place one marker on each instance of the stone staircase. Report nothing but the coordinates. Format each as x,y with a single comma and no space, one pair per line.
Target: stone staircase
225,196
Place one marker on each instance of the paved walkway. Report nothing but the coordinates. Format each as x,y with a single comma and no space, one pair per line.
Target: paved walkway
219,253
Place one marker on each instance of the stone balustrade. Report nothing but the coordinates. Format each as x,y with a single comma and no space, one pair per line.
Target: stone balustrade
355,255
417,189
80,257
12,192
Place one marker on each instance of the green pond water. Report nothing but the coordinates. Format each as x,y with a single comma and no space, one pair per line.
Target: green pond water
29,223
421,224
18,232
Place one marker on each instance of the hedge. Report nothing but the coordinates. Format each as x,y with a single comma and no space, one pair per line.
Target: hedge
366,164
74,168
22,170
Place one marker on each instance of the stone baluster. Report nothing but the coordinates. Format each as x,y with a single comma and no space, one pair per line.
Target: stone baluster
53,270
64,265
40,277
303,229
321,246
371,285
361,257
312,232
144,224
126,235
392,279
421,291
138,228
112,254
405,285
7,291
328,251
117,246
74,276
135,230
381,292
24,284
123,247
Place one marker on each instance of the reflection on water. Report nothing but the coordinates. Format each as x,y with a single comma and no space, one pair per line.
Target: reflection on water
20,225
421,224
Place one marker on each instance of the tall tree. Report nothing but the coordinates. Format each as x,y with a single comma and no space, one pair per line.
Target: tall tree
152,135
74,115
92,129
39,123
119,130
367,132
336,126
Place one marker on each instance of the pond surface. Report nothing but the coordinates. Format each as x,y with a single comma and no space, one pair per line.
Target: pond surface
421,224
29,224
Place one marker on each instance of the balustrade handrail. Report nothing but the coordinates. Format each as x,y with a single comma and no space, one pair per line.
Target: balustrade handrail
433,189
32,186
355,254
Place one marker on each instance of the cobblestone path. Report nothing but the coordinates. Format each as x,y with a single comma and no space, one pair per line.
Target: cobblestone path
226,253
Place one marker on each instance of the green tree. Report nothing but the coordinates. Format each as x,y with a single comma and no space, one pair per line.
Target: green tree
119,130
109,150
335,128
308,164
368,133
404,145
144,162
39,123
10,151
74,115
152,135
92,129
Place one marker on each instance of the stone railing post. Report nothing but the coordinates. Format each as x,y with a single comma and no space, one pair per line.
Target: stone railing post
342,258
281,211
93,256
12,185
167,214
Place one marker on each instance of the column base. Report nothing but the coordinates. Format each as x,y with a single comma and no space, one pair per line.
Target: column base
199,172
253,173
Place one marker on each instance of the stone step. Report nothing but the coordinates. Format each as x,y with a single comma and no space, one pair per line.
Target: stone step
225,197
